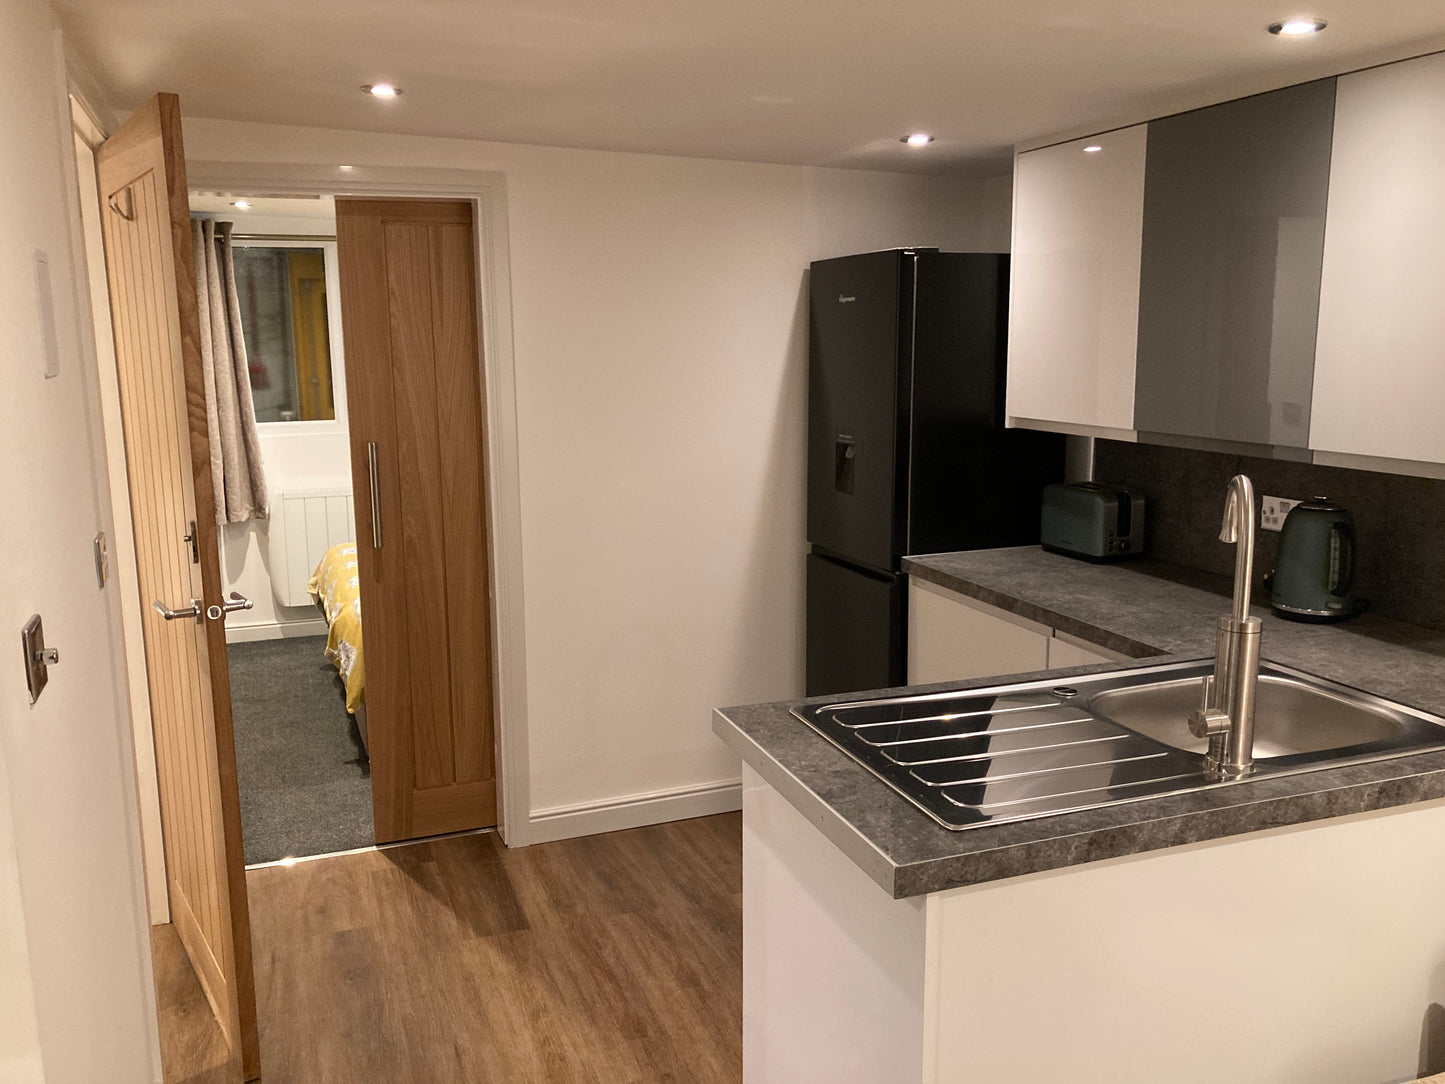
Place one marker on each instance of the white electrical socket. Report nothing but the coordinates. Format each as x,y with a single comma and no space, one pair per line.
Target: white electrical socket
1272,511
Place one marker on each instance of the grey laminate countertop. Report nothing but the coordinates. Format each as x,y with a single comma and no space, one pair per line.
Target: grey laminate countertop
1139,608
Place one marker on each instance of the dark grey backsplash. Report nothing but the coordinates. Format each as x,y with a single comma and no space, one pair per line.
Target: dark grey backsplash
1399,521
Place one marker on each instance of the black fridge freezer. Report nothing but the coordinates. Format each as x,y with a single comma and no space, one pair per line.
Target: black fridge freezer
907,450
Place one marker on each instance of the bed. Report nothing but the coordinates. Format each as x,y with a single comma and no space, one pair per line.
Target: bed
337,592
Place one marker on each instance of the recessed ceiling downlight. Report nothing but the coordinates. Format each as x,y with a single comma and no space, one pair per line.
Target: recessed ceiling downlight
1093,148
917,139
382,90
1297,28
241,204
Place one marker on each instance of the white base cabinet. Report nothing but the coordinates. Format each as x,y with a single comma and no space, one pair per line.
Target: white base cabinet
952,638
1066,650
833,973
1305,955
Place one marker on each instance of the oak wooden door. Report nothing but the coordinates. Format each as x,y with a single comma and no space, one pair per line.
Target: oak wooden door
149,267
414,389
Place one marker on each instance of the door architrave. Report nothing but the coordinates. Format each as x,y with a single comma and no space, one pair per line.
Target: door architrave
486,190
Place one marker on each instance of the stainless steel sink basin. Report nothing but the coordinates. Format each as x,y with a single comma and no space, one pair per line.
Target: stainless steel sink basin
1039,748
1291,716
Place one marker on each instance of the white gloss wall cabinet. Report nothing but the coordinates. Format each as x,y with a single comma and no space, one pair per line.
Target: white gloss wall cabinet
1379,367
1074,295
953,638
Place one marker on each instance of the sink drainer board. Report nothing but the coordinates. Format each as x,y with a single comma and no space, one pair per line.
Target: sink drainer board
1016,752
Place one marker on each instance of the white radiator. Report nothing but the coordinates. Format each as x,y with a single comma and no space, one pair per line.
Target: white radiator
305,523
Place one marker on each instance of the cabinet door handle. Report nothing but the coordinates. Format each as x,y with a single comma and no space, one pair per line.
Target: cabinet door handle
372,467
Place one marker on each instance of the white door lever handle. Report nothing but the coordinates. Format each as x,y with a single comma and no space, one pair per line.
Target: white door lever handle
236,601
192,611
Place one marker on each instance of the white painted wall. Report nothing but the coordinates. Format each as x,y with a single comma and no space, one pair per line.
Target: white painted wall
69,833
995,213
660,334
20,1037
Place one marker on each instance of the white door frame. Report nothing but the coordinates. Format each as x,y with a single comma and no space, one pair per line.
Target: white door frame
91,249
488,194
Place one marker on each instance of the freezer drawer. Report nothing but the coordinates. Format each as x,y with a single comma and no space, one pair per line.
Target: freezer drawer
856,624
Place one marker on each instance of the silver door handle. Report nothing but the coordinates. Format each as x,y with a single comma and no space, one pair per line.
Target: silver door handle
374,470
237,601
194,611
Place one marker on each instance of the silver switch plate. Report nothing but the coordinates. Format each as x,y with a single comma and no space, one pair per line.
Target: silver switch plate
37,656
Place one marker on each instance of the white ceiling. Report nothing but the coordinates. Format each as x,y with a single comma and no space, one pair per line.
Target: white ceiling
815,82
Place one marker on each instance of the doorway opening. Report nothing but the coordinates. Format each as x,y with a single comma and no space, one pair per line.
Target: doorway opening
297,655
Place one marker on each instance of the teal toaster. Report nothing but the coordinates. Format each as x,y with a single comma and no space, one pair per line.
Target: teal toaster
1087,519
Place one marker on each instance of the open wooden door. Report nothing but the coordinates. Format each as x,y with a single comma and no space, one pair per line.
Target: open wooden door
149,266
414,389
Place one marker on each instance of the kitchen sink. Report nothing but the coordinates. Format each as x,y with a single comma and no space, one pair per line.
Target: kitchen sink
1036,749
1291,716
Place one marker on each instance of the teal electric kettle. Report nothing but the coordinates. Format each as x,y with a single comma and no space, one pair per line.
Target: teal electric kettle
1315,577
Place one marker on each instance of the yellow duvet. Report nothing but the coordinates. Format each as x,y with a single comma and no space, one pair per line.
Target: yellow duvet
336,590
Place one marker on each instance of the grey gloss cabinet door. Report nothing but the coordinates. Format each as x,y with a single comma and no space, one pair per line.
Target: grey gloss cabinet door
1233,242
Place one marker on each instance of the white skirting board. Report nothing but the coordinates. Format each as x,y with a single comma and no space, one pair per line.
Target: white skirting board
275,630
634,811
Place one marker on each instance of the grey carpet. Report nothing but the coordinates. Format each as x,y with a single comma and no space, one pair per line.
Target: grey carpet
304,778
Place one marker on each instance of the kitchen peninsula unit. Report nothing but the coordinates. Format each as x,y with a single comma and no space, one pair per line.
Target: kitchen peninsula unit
1283,928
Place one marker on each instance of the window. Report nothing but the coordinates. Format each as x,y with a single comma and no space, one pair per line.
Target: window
284,318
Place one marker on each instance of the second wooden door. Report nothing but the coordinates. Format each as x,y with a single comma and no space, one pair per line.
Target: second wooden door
413,380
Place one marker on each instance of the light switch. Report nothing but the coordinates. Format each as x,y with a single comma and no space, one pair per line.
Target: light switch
1272,511
45,301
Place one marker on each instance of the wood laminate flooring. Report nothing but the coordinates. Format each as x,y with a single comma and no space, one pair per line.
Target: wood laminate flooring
192,1049
614,958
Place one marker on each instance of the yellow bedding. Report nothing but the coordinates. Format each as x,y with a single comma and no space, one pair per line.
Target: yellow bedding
336,590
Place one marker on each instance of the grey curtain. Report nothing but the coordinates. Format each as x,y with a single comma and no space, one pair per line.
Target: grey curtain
240,483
